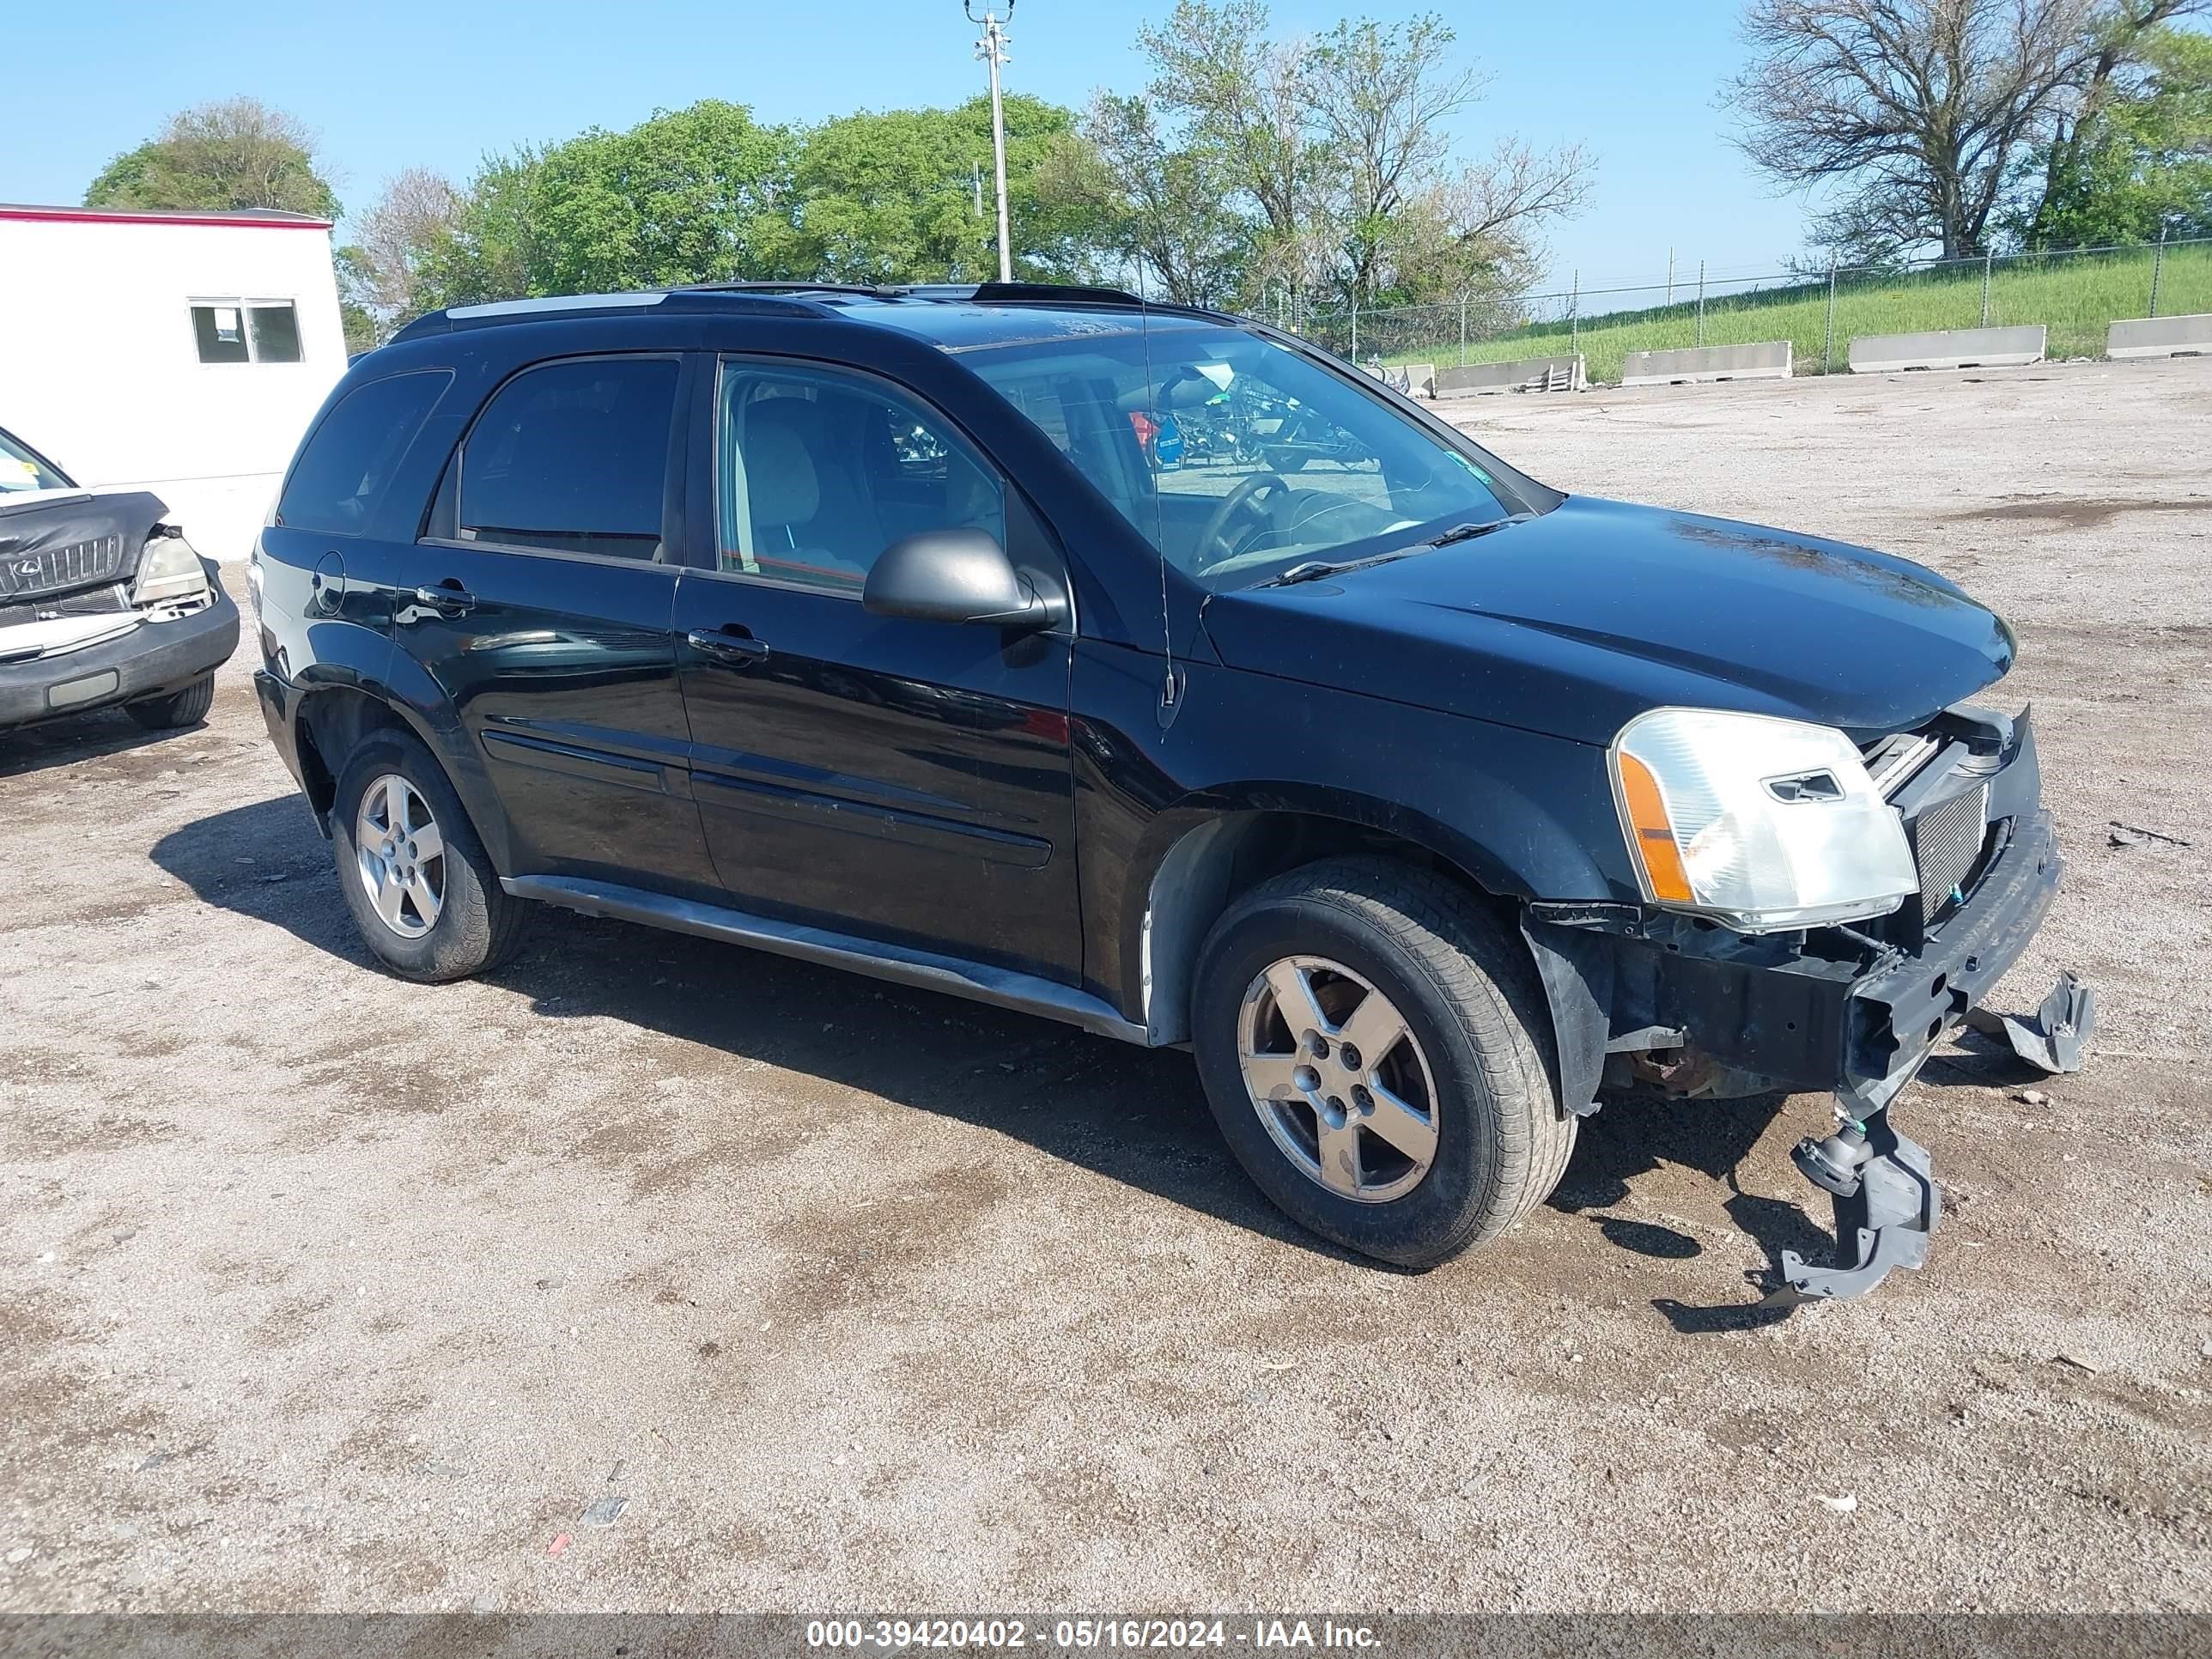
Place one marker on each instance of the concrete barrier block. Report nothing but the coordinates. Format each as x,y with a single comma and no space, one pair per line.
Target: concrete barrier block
1955,348
1767,361
2160,337
1524,374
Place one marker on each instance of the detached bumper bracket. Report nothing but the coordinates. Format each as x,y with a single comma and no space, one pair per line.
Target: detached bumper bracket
1887,1206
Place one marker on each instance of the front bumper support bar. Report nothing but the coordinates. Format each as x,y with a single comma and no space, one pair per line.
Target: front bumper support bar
1887,1207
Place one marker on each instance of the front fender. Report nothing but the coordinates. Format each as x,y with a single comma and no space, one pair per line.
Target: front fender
1520,815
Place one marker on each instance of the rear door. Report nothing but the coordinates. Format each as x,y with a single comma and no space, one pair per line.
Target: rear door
544,613
883,776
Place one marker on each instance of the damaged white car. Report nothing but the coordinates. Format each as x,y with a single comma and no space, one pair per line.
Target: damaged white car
102,602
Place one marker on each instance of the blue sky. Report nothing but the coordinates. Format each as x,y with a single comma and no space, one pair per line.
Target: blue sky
439,85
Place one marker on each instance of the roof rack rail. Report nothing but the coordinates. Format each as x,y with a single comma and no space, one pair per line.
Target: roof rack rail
980,293
772,287
816,299
569,305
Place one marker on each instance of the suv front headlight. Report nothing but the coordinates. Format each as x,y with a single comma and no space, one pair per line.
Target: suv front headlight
1760,824
169,571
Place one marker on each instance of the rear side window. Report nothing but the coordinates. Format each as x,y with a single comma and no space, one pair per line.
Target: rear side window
349,459
573,458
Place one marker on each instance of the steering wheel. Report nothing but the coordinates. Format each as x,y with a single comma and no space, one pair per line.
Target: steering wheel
1238,499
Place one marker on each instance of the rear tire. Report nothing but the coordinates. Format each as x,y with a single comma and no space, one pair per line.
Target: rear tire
1464,1017
427,915
187,707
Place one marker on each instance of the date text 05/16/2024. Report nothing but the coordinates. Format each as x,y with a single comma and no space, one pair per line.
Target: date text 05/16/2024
1085,1634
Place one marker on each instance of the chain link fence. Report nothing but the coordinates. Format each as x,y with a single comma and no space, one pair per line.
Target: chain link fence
2075,294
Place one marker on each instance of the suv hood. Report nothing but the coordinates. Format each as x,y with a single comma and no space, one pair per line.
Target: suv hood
1574,622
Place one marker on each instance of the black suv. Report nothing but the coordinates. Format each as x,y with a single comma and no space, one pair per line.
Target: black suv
1143,667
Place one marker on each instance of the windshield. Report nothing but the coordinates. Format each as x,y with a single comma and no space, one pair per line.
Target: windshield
1239,459
23,468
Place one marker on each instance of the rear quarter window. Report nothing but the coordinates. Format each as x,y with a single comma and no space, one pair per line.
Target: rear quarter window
349,459
572,456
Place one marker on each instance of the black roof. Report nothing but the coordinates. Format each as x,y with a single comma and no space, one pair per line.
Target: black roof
947,313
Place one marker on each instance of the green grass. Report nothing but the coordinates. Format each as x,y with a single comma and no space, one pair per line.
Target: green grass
2075,296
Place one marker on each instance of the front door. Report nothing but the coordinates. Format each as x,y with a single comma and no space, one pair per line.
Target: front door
902,780
546,617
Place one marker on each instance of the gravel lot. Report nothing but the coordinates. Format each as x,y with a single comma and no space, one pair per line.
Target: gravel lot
321,1291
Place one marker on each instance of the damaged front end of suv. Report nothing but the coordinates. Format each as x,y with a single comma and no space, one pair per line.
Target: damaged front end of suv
1820,915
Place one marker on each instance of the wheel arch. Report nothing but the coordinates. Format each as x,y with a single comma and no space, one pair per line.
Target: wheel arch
335,712
1202,855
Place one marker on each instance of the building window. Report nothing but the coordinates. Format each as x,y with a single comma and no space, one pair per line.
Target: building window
246,330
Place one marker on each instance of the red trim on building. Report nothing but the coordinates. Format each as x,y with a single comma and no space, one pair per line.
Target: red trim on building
149,216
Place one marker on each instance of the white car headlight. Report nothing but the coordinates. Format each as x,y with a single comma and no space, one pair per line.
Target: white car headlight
1760,824
169,571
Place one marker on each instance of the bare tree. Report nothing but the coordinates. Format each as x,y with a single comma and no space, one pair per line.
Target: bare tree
1918,110
1343,144
416,208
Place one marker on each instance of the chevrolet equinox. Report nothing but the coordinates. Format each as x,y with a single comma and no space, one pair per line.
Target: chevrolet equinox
1148,669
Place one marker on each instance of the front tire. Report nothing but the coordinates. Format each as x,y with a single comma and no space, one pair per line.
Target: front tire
1373,1045
421,890
187,707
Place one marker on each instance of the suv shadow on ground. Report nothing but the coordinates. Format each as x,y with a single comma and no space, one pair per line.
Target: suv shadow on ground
1133,1115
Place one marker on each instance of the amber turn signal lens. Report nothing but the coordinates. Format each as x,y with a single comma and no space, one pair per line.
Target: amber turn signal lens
1655,836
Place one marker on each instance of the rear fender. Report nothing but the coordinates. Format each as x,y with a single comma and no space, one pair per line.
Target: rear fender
351,658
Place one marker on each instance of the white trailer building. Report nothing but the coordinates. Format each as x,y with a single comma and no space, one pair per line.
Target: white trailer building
182,353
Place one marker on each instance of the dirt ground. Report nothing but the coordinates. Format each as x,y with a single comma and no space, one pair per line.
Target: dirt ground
322,1291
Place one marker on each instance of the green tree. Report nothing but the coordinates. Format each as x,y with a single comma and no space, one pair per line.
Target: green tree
892,197
695,195
1917,115
357,286
1168,212
239,153
2140,163
490,249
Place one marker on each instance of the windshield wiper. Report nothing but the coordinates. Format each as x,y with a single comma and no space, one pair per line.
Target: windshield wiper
1467,532
1313,570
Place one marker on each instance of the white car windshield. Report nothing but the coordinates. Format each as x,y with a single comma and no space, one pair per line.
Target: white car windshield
23,469
1239,458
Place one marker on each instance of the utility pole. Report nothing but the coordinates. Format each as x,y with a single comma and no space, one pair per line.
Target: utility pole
992,49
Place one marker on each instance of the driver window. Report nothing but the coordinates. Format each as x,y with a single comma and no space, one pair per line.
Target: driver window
818,472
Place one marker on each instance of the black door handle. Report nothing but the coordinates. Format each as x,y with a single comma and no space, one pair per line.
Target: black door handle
447,598
732,650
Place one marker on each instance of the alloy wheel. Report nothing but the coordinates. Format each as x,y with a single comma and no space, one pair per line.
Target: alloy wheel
402,856
1338,1078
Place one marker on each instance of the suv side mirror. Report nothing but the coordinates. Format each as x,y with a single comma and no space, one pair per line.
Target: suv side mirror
958,575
